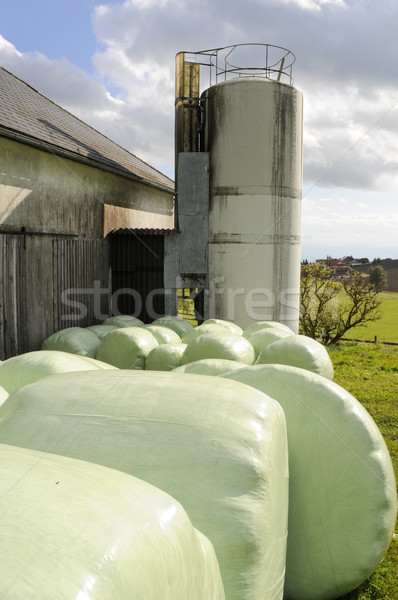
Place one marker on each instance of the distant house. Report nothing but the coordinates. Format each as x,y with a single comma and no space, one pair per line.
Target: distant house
81,220
340,268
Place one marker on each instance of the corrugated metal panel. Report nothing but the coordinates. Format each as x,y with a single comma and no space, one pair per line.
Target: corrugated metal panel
143,231
48,283
81,282
137,275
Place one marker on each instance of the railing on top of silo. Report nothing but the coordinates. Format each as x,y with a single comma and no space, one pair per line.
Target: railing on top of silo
265,60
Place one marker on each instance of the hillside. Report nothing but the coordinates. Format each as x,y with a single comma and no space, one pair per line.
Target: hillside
391,267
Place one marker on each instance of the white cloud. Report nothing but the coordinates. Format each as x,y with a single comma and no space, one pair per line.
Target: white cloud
315,5
350,137
344,224
7,49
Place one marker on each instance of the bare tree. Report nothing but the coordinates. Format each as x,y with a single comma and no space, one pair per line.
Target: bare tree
329,307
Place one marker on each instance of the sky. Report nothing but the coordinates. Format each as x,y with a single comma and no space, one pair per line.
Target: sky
112,65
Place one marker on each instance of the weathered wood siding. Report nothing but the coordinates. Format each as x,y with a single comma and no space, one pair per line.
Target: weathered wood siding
48,283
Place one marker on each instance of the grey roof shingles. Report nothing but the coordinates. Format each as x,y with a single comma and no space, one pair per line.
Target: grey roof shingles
33,117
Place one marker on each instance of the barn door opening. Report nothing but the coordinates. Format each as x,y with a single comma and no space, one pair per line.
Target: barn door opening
137,274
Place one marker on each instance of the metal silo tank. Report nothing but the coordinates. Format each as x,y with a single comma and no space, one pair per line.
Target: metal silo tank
253,134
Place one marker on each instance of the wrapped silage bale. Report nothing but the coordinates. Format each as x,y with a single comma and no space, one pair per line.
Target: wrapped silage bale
3,394
127,348
216,446
177,324
264,337
342,491
201,329
298,351
163,335
71,530
123,321
210,366
164,357
227,324
26,368
74,340
250,329
102,330
225,345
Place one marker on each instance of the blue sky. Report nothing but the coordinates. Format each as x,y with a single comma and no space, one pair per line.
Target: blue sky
112,64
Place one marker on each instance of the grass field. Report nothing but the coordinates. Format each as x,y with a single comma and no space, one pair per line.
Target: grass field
370,373
386,328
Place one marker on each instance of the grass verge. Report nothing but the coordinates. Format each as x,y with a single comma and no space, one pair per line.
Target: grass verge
370,373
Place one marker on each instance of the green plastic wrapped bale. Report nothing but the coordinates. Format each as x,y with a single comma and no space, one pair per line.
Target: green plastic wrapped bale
74,340
210,366
163,335
342,493
264,337
75,530
32,366
123,321
227,324
201,329
298,351
127,348
102,330
165,357
3,394
177,324
217,446
219,345
266,325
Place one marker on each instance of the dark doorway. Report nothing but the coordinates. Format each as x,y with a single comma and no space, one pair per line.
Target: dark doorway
137,274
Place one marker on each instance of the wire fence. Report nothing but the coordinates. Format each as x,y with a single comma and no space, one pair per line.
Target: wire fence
374,341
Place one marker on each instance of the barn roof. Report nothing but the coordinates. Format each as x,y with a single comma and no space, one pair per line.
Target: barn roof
29,117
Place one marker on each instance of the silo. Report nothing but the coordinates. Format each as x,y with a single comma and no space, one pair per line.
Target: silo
253,134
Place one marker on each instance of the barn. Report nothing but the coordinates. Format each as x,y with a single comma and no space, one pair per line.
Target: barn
82,223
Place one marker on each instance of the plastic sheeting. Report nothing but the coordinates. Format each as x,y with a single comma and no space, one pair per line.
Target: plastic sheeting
264,337
177,324
219,345
217,446
102,330
201,329
165,357
163,335
127,348
342,498
26,368
210,366
74,340
227,324
75,530
299,351
266,325
3,394
123,321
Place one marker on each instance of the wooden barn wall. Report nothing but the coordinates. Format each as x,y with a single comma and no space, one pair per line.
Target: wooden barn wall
48,283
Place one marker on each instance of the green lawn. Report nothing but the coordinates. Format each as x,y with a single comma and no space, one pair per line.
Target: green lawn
386,328
370,373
